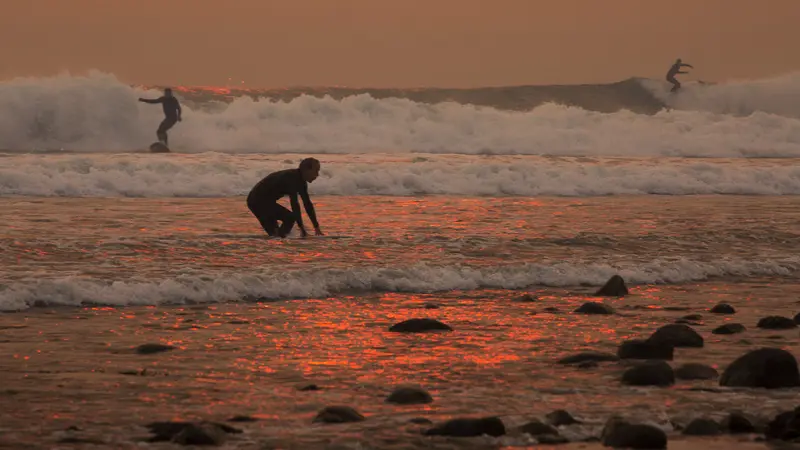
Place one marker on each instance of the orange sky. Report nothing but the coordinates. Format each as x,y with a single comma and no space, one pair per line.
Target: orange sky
398,43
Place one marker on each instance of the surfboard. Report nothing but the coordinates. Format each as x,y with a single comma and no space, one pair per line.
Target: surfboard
158,147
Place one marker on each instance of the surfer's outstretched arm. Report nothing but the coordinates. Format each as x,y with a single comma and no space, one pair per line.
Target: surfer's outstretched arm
298,216
152,101
687,65
312,215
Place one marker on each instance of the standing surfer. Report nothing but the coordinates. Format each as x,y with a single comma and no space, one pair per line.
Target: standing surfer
675,70
172,113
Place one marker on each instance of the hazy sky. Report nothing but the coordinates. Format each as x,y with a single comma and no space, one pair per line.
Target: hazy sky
399,43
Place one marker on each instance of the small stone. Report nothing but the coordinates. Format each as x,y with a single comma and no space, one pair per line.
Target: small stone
551,439
797,319
614,287
588,357
723,308
491,426
696,371
677,336
729,328
619,433
702,427
776,323
785,426
535,428
421,421
692,317
561,417
639,349
242,419
409,396
338,414
587,365
431,306
650,373
527,298
419,326
149,349
308,387
551,309
770,368
594,308
190,433
738,423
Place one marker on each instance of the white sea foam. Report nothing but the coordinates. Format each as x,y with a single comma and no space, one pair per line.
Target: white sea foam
222,175
99,113
237,286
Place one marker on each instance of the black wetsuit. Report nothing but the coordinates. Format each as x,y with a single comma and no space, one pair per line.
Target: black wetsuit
675,70
263,202
172,111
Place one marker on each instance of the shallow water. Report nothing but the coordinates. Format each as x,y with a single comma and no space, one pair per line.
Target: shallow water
79,272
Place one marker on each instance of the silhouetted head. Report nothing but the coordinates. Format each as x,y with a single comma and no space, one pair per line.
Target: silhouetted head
309,169
678,61
168,92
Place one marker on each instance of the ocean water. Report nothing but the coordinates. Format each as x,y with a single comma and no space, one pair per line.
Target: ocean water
426,199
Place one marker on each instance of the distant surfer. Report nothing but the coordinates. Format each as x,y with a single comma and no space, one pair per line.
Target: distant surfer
675,70
172,114
263,199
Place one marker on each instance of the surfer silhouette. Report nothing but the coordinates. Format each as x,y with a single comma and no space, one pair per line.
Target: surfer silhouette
263,199
172,113
675,70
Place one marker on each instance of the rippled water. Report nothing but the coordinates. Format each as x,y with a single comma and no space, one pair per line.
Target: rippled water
327,304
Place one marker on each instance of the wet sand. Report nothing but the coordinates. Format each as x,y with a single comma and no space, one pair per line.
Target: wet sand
76,367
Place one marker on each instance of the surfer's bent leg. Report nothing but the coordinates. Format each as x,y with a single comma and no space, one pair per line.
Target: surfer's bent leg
166,124
267,221
286,217
675,84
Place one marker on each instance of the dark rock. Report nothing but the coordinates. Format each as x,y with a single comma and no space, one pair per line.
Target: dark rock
723,308
149,349
619,433
308,387
676,308
729,328
588,357
242,419
551,439
769,368
190,433
421,421
492,426
594,308
202,434
797,319
239,322
535,428
785,426
702,427
676,335
419,325
776,323
692,317
527,298
614,287
431,306
338,414
551,309
80,440
587,365
738,423
561,417
650,373
409,396
639,349
696,371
